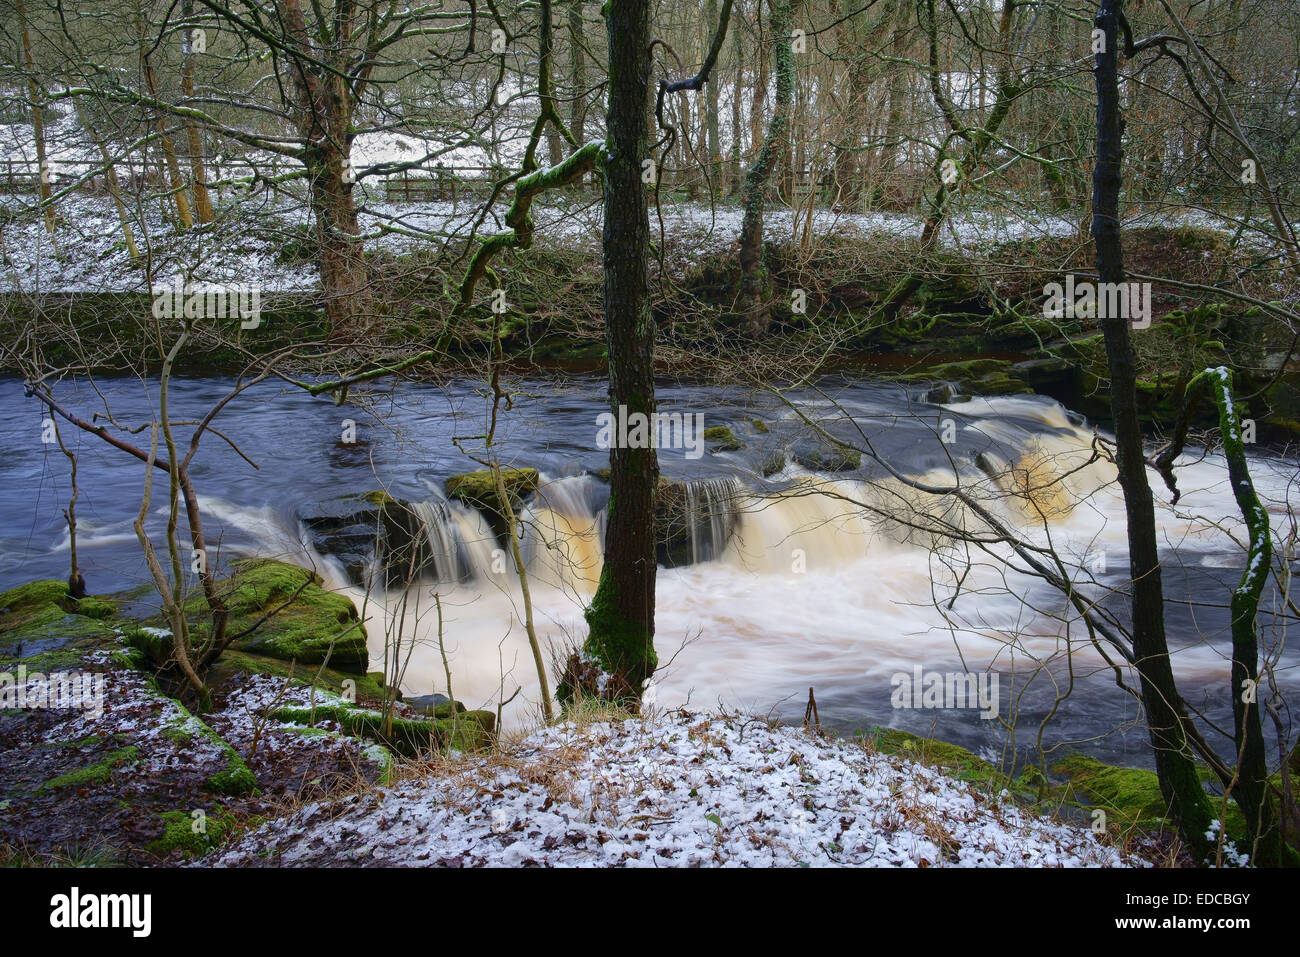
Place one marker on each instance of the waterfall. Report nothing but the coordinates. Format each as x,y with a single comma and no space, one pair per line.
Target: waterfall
711,507
457,543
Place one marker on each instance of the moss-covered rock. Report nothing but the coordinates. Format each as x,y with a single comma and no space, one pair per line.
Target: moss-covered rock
478,490
957,761
236,661
308,623
722,439
1131,795
835,458
980,376
41,625
98,773
190,834
468,731
29,599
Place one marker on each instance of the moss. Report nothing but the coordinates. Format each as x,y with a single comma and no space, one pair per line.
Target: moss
479,490
38,619
622,647
331,680
722,439
98,773
315,623
236,777
961,763
59,660
30,597
179,731
1130,794
407,737
96,608
179,833
835,459
759,426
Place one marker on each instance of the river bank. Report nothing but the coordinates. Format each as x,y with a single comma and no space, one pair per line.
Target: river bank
276,774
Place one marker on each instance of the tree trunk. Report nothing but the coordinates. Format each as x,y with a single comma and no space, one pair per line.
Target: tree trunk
738,39
897,90
621,615
752,275
1180,785
711,110
111,180
342,268
578,75
202,204
38,122
184,217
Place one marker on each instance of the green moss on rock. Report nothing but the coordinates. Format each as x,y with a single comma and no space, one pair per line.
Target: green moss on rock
478,489
310,626
833,459
471,730
722,439
1131,794
184,833
98,773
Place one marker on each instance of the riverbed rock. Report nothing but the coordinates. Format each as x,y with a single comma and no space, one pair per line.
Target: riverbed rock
311,624
346,529
828,458
722,439
693,520
478,490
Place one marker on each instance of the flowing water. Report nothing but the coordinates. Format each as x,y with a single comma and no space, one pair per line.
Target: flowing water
797,579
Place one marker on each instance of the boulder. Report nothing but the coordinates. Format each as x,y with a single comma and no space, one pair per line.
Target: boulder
828,458
479,490
310,623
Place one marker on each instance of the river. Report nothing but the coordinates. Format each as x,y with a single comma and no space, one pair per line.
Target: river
799,581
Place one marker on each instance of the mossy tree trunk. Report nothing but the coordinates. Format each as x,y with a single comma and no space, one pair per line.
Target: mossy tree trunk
1251,791
621,615
753,297
577,74
1180,784
713,139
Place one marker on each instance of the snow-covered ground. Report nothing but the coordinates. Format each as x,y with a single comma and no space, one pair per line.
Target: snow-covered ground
677,790
246,243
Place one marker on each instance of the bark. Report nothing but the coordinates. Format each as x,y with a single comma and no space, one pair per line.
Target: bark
554,143
202,203
752,275
184,216
1180,785
342,268
323,114
1251,788
711,113
621,614
111,180
739,48
577,73
38,120
897,90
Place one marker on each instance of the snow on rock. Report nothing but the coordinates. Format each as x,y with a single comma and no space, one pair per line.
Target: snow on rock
679,790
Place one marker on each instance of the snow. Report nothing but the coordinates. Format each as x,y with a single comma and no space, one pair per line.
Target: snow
676,790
